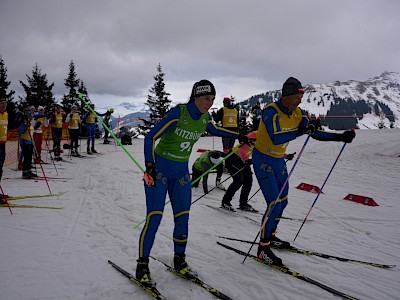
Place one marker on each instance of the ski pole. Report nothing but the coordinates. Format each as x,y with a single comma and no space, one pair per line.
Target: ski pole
254,194
48,150
5,199
40,163
115,144
319,193
110,132
69,143
277,198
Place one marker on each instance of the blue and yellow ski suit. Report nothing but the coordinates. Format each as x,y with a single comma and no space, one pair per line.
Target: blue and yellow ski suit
277,128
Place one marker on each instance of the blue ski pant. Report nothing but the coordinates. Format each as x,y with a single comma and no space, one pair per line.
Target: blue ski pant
172,178
91,133
271,174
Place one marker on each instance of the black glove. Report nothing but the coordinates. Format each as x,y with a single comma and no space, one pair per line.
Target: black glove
243,139
249,162
37,125
348,136
310,127
150,174
290,156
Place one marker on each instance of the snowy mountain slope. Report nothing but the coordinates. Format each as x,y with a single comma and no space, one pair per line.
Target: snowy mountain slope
384,88
124,109
62,254
374,101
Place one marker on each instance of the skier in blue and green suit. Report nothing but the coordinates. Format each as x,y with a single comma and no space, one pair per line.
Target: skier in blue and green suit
167,171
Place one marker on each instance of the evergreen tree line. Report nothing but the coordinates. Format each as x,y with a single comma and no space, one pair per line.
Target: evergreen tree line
39,92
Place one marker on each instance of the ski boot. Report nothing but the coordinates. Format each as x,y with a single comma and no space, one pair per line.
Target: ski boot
182,267
28,175
227,206
2,198
143,272
247,207
278,243
264,253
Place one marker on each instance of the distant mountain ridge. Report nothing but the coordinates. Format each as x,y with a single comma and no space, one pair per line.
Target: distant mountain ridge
369,104
129,114
374,103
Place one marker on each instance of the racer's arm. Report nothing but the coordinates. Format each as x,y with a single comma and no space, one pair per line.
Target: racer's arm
162,127
219,131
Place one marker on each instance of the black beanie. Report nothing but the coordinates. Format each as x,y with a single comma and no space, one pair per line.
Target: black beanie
291,87
203,88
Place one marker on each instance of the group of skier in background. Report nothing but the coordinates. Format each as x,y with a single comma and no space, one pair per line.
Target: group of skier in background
31,122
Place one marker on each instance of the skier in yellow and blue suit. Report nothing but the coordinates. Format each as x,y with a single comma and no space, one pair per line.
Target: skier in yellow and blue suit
281,122
167,171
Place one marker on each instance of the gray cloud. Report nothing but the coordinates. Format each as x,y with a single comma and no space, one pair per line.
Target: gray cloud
245,47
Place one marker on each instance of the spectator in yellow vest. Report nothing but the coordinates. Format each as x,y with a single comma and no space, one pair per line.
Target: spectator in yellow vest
229,118
73,120
3,134
25,130
57,119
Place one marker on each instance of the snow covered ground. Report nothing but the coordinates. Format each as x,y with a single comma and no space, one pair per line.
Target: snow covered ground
62,254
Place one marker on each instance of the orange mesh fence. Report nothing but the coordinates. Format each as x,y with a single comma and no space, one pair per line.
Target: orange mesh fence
12,145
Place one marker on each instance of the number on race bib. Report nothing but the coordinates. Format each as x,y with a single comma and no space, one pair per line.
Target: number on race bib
186,146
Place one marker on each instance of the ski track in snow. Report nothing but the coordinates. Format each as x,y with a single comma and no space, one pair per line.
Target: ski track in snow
62,254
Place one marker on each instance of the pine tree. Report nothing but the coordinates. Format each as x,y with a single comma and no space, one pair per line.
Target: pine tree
38,91
83,90
72,84
4,84
157,101
82,107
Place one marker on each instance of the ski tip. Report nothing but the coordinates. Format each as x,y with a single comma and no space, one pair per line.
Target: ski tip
388,266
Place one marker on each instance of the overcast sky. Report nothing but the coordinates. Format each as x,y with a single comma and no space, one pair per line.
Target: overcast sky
243,47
